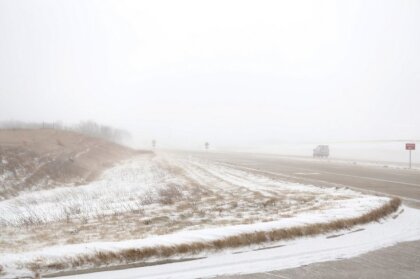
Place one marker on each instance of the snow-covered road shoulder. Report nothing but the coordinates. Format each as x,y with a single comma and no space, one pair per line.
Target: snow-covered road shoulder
403,226
201,242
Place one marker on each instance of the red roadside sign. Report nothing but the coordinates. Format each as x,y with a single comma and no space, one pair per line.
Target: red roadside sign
410,146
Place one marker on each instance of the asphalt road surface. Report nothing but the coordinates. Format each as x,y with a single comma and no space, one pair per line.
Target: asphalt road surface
399,261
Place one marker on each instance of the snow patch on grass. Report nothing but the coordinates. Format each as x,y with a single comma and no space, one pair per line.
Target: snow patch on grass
163,201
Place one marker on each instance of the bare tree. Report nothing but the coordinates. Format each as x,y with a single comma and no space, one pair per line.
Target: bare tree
93,129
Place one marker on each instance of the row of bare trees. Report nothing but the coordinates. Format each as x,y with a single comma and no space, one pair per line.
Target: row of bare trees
89,128
94,129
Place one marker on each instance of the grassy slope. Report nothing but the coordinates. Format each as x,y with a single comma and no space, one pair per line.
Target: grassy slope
44,158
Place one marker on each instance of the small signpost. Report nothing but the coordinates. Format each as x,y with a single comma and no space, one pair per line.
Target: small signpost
410,147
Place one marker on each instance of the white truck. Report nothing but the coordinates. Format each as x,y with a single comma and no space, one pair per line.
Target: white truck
321,151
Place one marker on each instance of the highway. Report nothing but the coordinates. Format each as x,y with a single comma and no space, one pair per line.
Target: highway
404,183
399,261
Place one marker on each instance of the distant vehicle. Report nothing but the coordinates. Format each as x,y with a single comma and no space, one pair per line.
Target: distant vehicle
322,151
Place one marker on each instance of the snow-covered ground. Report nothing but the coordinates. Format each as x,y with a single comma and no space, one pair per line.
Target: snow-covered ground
163,200
125,187
284,254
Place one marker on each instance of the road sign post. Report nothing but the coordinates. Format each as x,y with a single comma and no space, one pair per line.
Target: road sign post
410,147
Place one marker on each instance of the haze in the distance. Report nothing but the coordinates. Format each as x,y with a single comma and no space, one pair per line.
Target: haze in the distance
228,72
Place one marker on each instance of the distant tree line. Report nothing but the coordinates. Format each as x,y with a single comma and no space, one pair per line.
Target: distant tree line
89,128
94,129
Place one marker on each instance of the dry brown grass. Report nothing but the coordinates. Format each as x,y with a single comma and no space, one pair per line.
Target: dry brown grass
170,194
101,258
45,158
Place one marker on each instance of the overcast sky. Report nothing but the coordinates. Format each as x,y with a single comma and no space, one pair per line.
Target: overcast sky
228,72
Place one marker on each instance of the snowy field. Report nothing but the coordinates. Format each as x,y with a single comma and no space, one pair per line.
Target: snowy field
162,200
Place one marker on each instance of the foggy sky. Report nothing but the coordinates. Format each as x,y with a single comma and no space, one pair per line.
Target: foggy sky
228,72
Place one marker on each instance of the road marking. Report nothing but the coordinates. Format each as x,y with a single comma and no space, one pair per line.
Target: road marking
275,275
356,176
371,178
307,173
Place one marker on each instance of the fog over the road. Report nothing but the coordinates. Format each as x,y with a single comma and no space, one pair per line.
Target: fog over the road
234,73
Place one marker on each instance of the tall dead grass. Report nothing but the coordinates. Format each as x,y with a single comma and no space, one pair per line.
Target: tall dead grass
102,258
169,194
